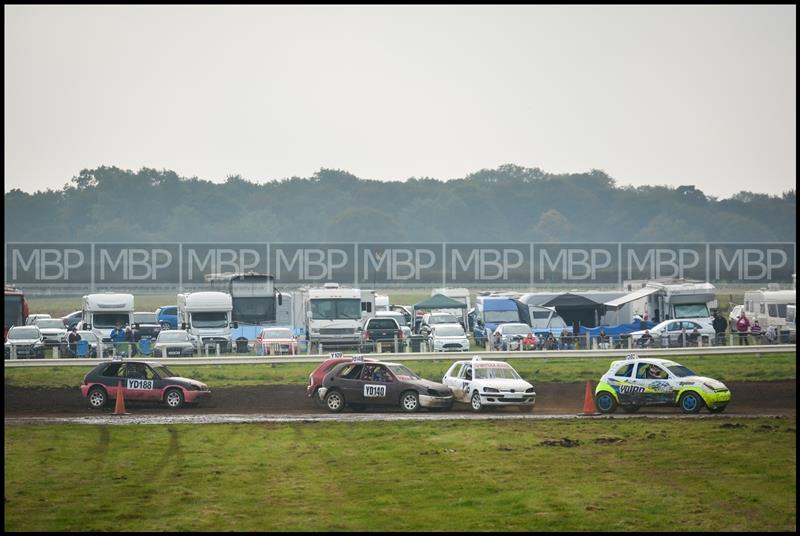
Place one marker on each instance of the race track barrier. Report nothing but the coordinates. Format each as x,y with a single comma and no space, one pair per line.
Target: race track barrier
437,356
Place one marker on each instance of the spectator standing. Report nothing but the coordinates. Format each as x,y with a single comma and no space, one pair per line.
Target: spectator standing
743,326
73,339
720,326
756,331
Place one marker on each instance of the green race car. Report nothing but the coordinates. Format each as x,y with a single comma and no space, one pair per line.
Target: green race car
635,382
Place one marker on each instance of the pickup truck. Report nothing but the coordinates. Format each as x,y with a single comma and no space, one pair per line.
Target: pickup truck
384,330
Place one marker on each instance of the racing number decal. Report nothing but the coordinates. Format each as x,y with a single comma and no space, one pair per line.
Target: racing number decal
140,384
374,391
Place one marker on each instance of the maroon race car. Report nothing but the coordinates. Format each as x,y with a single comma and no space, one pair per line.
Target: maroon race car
141,381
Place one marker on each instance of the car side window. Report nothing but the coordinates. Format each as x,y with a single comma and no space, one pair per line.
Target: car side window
456,371
641,371
467,373
351,371
112,370
624,371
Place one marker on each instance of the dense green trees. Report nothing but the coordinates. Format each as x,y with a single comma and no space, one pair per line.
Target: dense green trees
510,203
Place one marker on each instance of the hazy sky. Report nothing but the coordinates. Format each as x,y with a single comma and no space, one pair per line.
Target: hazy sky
702,95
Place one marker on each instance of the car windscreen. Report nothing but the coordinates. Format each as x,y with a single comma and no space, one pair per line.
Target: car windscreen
516,330
403,373
449,331
501,316
109,320
145,318
336,309
163,372
214,319
492,373
276,334
442,319
173,336
691,310
382,323
680,371
23,333
50,324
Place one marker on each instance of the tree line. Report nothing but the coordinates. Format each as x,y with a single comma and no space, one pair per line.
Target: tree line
507,204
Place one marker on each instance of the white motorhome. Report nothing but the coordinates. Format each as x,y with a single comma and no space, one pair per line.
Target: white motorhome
104,312
672,298
333,314
381,302
207,317
769,307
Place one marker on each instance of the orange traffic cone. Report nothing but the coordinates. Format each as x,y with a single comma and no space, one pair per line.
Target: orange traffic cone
588,401
119,409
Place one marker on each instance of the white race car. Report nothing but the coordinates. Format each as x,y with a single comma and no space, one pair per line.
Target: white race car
482,383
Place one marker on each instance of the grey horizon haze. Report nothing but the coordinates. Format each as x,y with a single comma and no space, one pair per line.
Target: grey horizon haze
652,95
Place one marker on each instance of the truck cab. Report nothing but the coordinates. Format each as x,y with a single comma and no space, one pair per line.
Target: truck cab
491,311
334,314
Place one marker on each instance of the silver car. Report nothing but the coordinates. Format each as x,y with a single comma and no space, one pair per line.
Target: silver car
176,343
53,330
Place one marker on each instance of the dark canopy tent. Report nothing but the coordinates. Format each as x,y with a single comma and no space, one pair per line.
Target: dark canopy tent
440,301
572,307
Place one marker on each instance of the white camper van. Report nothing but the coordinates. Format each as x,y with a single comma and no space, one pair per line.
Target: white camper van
207,317
104,312
673,299
333,314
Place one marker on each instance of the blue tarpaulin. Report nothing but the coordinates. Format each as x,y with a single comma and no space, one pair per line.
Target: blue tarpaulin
618,329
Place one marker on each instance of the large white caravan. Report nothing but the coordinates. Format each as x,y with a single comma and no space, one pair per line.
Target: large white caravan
104,312
673,298
207,317
769,307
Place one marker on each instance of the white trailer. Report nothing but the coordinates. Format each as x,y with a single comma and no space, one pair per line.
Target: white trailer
101,313
672,298
769,307
207,317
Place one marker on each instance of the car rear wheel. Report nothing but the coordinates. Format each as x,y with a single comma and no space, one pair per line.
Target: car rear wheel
97,397
409,401
174,398
690,402
334,401
630,409
605,402
475,401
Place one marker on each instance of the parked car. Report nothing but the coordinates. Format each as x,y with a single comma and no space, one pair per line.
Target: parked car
168,316
72,319
27,342
276,341
401,320
668,332
53,331
511,334
431,319
91,338
359,384
141,381
635,382
448,338
145,324
177,343
482,383
381,329
34,317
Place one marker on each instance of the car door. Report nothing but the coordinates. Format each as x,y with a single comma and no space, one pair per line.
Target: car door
375,382
348,380
462,386
451,378
139,382
656,388
111,377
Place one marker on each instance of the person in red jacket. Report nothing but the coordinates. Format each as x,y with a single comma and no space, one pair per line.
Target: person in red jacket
743,327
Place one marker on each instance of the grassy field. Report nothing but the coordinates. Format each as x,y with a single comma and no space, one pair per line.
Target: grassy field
617,475
550,369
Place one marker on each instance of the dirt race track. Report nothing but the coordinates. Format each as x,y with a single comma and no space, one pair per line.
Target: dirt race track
749,398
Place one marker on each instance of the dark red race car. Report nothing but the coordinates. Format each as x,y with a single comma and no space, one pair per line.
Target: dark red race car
141,381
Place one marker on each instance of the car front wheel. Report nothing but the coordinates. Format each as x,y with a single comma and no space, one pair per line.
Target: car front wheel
334,401
606,403
475,401
97,397
409,401
690,402
174,398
